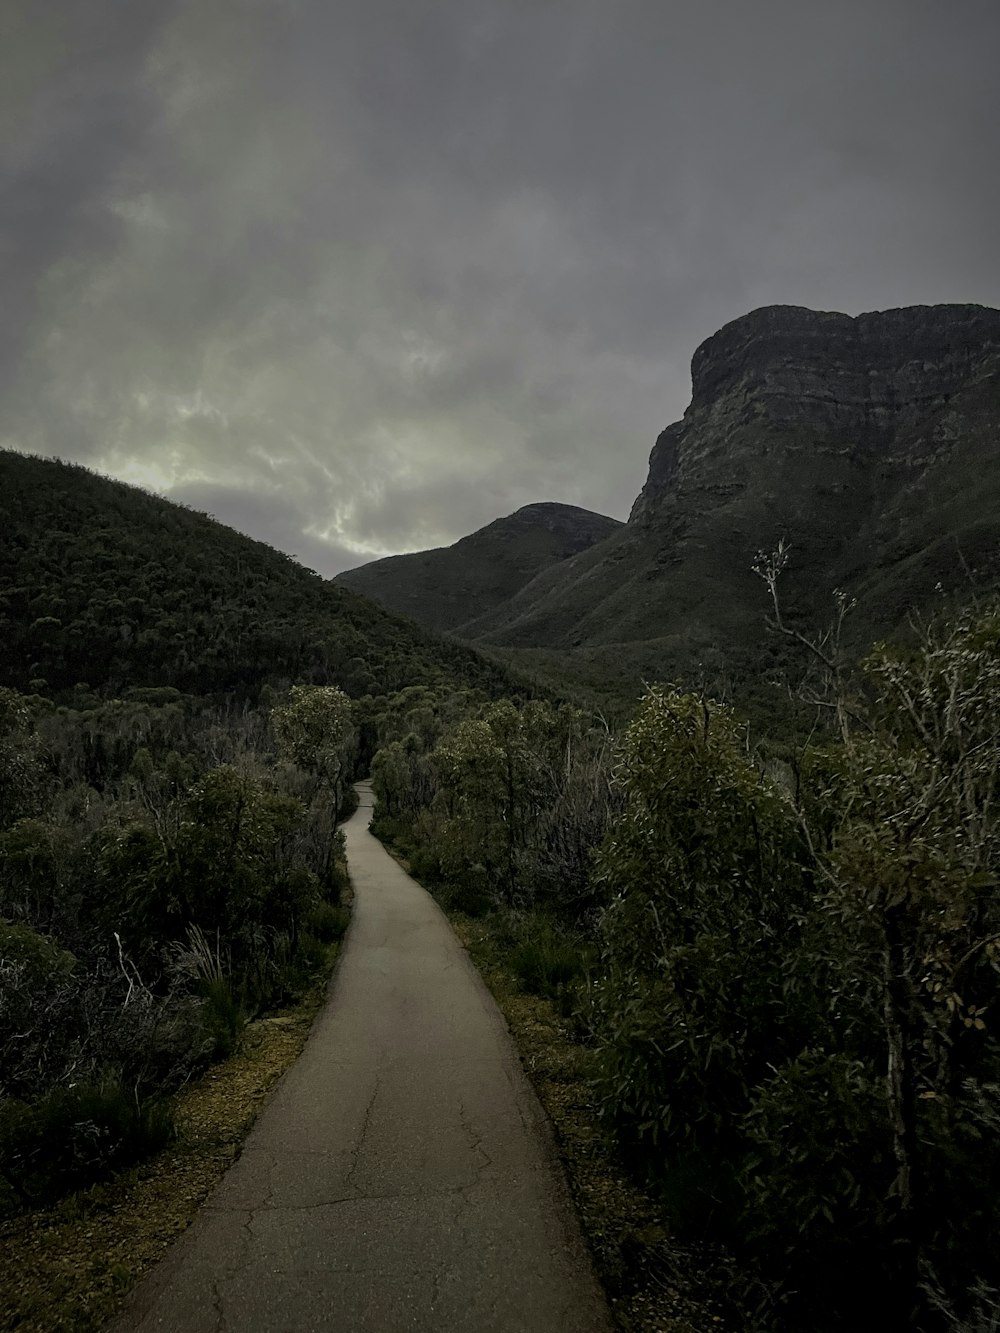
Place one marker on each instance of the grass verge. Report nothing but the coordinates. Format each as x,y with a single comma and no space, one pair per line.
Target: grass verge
68,1269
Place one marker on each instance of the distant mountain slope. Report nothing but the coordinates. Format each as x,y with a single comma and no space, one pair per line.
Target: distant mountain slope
105,584
449,585
871,444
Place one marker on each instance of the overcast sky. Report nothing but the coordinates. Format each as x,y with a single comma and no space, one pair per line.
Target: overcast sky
359,277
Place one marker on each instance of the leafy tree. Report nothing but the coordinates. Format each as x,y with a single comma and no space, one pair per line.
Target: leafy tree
701,869
21,772
313,730
903,823
911,907
492,782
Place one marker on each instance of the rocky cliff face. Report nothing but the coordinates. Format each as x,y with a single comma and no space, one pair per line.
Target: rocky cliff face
849,386
871,444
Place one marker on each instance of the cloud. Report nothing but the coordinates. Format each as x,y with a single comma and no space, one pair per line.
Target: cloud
359,278
274,517
73,120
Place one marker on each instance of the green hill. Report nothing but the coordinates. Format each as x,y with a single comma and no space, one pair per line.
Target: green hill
104,585
449,585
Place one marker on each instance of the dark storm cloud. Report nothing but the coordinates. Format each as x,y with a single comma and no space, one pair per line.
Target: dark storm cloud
363,276
74,114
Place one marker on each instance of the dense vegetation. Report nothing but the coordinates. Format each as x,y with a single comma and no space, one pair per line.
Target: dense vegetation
104,588
786,968
782,957
181,712
168,868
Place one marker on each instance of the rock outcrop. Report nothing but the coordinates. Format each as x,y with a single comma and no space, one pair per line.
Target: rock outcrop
855,385
870,444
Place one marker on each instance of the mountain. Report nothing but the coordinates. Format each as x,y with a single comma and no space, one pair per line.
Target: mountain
105,587
870,444
449,585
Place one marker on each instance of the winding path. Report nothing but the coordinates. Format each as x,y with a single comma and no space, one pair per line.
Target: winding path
402,1176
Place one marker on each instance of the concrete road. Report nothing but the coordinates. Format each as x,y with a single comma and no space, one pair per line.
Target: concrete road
402,1176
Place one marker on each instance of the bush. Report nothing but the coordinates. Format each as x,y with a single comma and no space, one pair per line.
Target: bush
815,1130
36,958
794,1014
425,864
63,1021
548,959
222,1016
337,879
75,1135
328,922
468,893
705,886
349,802
310,958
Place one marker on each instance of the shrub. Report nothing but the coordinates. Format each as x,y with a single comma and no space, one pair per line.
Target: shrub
222,1016
816,1130
425,864
37,958
547,959
75,1135
328,922
348,803
703,875
310,958
468,892
337,879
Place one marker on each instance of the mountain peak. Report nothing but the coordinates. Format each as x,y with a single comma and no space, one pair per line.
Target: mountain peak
867,442
451,585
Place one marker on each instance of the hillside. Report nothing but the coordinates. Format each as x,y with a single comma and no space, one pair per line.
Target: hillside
870,444
449,585
104,585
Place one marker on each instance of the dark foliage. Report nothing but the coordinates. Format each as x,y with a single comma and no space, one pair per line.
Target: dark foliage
106,589
787,971
166,873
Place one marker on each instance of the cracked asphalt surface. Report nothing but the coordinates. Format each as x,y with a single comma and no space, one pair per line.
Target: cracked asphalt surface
403,1175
